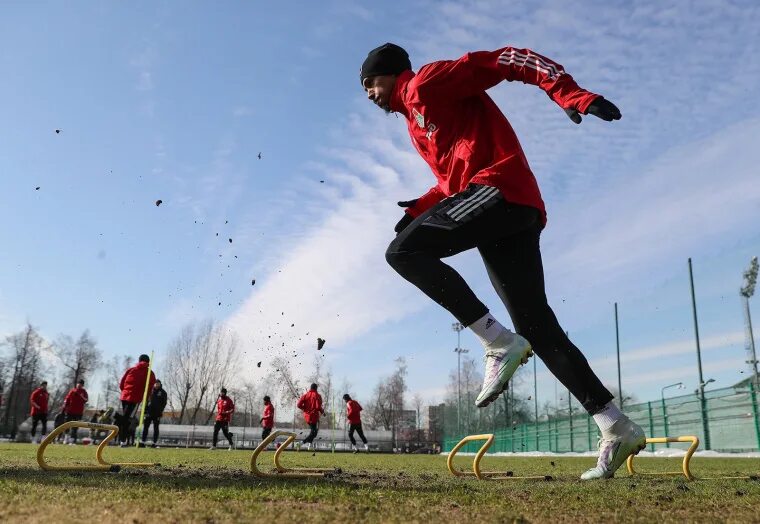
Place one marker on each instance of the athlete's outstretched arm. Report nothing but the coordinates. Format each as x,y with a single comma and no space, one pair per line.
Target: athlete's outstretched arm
478,71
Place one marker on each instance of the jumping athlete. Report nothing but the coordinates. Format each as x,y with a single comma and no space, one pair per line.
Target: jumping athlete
311,405
39,412
353,414
132,387
486,198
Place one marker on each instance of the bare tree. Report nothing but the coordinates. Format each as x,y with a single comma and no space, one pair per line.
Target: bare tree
180,370
202,359
114,369
287,387
388,399
80,357
23,367
225,358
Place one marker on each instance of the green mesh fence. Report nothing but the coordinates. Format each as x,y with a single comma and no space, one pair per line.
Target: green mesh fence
730,416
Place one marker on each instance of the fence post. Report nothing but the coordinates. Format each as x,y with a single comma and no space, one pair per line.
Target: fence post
570,419
755,414
588,431
665,420
556,436
551,437
651,423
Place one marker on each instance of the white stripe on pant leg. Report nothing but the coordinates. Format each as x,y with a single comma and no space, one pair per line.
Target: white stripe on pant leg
466,200
484,195
465,211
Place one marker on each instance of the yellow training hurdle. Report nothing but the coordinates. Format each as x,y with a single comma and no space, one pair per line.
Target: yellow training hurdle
102,464
685,465
483,475
280,470
685,471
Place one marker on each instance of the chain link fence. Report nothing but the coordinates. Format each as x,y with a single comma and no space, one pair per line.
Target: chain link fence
727,419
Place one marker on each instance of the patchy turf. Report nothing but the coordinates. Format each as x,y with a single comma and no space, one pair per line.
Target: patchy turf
216,486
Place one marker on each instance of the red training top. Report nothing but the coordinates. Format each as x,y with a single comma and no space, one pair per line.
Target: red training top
224,409
267,420
463,135
353,409
311,405
39,397
132,384
74,401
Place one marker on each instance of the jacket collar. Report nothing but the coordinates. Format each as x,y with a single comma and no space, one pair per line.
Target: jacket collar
399,90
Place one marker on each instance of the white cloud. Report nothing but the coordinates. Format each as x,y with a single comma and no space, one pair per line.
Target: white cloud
145,81
241,111
330,278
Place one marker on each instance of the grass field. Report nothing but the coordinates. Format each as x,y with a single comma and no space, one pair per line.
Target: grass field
216,486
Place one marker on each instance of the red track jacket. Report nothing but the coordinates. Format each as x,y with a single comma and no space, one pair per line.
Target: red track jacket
353,410
267,421
73,403
224,409
40,397
132,384
311,405
463,135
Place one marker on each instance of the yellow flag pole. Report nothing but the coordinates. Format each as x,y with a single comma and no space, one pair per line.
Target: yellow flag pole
142,408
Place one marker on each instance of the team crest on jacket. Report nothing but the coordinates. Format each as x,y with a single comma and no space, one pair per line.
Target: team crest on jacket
419,118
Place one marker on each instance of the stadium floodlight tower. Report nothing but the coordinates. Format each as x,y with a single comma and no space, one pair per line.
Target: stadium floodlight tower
746,291
458,327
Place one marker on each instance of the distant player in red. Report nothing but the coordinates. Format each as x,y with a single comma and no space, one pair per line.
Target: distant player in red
486,197
73,406
353,413
267,419
132,387
311,405
224,410
39,409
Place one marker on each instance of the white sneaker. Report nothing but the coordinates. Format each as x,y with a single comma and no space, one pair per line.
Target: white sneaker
230,448
354,448
366,448
503,356
212,448
626,438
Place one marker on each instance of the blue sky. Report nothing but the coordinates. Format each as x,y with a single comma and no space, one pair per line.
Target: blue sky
157,100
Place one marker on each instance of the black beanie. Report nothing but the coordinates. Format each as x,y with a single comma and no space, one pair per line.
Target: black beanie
388,59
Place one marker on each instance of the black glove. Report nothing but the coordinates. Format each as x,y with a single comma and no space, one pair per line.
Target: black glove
405,221
407,218
600,108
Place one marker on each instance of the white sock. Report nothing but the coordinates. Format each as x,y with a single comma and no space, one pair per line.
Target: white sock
607,416
487,329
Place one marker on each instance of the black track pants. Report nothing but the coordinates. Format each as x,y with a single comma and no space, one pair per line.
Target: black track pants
146,424
127,408
314,429
225,427
41,418
507,237
359,430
